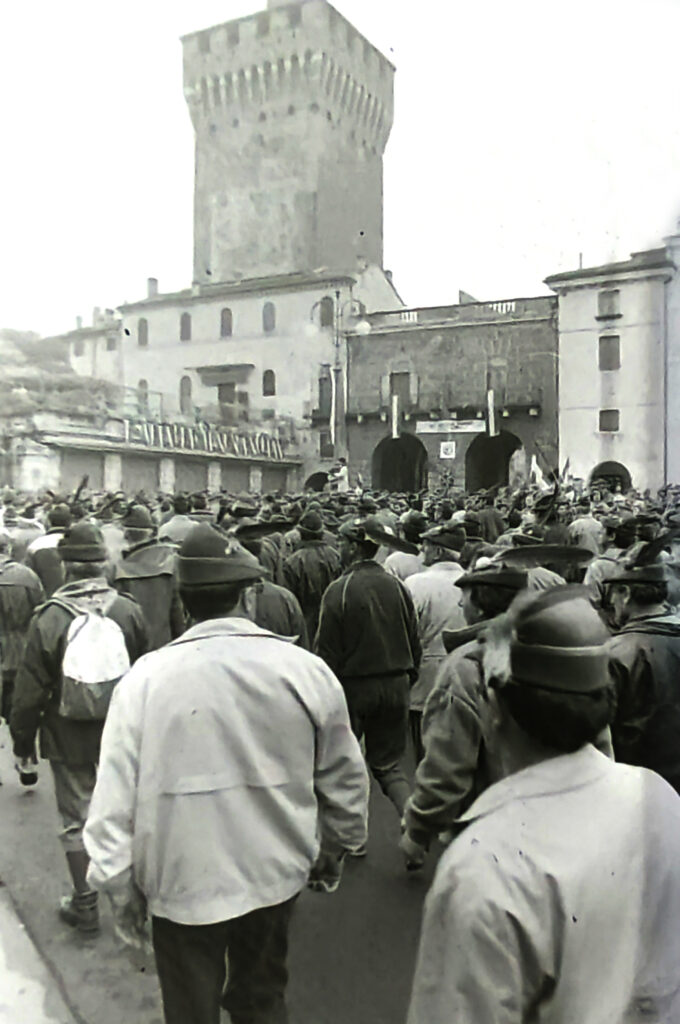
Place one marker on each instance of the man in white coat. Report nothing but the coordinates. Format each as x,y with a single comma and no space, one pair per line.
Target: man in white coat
225,755
560,900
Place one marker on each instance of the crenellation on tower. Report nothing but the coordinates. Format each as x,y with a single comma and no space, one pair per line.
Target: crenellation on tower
291,109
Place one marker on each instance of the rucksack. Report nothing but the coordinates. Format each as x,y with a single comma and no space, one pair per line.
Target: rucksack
95,658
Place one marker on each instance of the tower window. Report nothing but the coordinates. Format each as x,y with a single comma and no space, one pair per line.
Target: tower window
327,312
185,327
111,343
185,403
609,352
295,16
609,420
143,397
263,25
232,35
142,332
268,383
400,384
325,394
608,303
226,393
268,317
204,42
226,323
79,347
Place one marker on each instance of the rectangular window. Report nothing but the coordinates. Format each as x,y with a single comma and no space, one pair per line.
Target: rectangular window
400,384
226,393
325,444
609,420
608,304
609,357
111,343
78,347
325,396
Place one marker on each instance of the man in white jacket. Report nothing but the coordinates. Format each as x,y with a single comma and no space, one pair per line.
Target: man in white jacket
560,900
228,774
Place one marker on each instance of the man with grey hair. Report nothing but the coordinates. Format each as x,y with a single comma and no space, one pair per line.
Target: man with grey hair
70,733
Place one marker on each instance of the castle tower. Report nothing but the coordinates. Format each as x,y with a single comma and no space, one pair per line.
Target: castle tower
291,109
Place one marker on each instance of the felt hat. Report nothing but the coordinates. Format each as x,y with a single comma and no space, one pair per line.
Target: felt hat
83,542
207,557
447,536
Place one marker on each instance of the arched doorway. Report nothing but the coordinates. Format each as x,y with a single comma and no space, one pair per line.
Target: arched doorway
613,474
316,482
487,460
399,464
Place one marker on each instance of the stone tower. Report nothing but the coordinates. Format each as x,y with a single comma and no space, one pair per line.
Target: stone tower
291,109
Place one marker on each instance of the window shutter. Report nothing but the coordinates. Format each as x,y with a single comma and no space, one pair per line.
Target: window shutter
385,389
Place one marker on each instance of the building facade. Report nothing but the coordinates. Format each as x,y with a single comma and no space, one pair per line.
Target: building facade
619,366
467,391
291,109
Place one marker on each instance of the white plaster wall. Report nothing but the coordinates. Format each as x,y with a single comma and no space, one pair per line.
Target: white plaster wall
636,389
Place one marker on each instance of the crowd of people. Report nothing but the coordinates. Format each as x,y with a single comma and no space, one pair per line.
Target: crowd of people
213,679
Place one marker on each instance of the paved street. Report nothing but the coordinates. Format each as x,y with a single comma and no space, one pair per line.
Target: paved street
351,955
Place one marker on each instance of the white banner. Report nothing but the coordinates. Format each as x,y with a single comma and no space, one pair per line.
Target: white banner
450,427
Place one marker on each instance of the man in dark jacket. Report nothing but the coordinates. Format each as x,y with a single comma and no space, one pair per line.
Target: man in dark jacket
309,570
20,592
645,662
70,745
368,636
147,573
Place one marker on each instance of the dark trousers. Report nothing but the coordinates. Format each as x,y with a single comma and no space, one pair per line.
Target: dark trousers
415,725
191,962
378,711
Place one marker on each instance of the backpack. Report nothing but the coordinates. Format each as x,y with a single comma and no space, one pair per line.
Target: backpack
95,658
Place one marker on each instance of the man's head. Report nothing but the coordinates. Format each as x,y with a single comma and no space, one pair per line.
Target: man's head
59,516
637,591
138,525
181,504
355,546
547,662
443,544
311,525
83,551
5,542
413,525
216,575
487,593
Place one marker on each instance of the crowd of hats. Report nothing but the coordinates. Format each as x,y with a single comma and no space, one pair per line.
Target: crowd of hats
451,521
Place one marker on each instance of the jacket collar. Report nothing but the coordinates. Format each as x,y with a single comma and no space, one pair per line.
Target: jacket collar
229,626
555,775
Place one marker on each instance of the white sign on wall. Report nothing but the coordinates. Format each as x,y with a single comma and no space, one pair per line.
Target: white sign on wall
450,427
447,449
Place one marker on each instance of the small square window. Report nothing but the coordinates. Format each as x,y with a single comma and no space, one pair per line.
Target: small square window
609,354
609,420
608,304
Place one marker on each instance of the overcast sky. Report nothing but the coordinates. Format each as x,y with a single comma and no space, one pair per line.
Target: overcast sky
525,133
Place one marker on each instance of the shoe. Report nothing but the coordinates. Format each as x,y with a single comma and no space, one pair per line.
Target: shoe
27,768
359,852
80,910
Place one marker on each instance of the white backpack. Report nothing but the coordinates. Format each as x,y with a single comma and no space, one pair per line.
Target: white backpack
95,659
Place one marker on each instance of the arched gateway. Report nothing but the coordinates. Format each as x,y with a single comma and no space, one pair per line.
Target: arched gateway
613,473
399,464
487,460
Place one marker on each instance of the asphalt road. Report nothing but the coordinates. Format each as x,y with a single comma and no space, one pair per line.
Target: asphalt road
352,953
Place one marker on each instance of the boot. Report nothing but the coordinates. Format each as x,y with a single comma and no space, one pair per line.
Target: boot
80,910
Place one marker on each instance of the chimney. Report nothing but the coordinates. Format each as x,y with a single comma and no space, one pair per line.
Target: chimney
96,316
109,314
151,287
79,323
